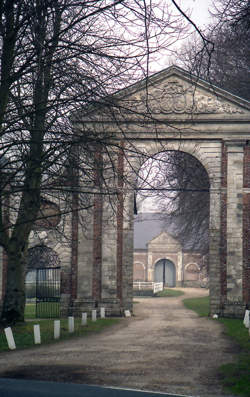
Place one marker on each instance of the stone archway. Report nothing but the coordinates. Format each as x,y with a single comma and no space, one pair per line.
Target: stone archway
211,163
174,111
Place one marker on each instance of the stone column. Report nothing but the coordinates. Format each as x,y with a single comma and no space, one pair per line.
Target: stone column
246,226
1,273
128,250
86,255
109,253
150,267
234,220
214,250
180,272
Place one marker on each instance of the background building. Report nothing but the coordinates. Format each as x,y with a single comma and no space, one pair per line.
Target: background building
159,256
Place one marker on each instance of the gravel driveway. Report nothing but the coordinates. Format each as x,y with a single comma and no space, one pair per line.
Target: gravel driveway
163,347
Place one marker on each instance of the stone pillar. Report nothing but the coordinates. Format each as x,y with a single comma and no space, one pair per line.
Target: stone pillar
214,250
234,221
113,239
120,226
97,229
85,301
150,267
85,255
223,218
109,253
97,248
180,271
3,272
246,226
74,245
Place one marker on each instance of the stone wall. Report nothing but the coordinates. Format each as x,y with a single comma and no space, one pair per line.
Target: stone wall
190,267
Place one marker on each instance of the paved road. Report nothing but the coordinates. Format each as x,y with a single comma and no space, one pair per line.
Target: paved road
34,388
164,348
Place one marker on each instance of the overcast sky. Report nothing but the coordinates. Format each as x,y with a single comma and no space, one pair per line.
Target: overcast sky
198,12
200,16
199,8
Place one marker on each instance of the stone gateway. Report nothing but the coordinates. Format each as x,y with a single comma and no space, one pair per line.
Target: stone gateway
171,110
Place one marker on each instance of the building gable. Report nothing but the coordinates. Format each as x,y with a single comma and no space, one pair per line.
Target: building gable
166,241
175,91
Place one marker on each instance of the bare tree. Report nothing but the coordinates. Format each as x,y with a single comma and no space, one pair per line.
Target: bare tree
57,58
179,186
227,66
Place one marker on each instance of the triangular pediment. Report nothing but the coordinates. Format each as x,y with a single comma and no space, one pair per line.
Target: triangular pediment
175,91
164,239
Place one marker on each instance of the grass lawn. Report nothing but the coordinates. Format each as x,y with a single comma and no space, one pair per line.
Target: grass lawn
45,310
236,376
169,292
30,310
199,305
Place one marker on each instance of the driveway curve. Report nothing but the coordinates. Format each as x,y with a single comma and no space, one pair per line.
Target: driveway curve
163,347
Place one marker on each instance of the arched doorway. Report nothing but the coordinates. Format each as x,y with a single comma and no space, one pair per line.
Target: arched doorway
165,272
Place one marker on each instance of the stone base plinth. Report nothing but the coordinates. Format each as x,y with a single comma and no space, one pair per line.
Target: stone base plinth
233,310
112,307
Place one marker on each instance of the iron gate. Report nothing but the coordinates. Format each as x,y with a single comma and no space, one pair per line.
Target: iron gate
48,287
43,289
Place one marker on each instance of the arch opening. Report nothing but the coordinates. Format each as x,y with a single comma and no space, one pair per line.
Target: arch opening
165,273
173,217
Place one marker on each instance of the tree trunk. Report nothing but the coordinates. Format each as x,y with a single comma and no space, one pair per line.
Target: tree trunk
14,299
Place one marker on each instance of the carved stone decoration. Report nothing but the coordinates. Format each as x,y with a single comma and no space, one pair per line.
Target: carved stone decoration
174,97
192,268
48,216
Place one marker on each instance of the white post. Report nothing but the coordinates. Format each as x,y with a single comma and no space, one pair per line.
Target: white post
246,318
37,334
127,313
10,338
84,318
102,312
71,324
93,315
56,329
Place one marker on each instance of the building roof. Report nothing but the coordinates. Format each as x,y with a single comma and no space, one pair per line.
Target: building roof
147,226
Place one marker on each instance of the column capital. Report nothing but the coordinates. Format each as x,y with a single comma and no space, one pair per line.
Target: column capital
237,143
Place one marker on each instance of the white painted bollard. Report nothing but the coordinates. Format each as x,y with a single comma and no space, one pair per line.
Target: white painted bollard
10,338
84,318
93,315
246,319
127,313
102,314
37,334
71,324
56,329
